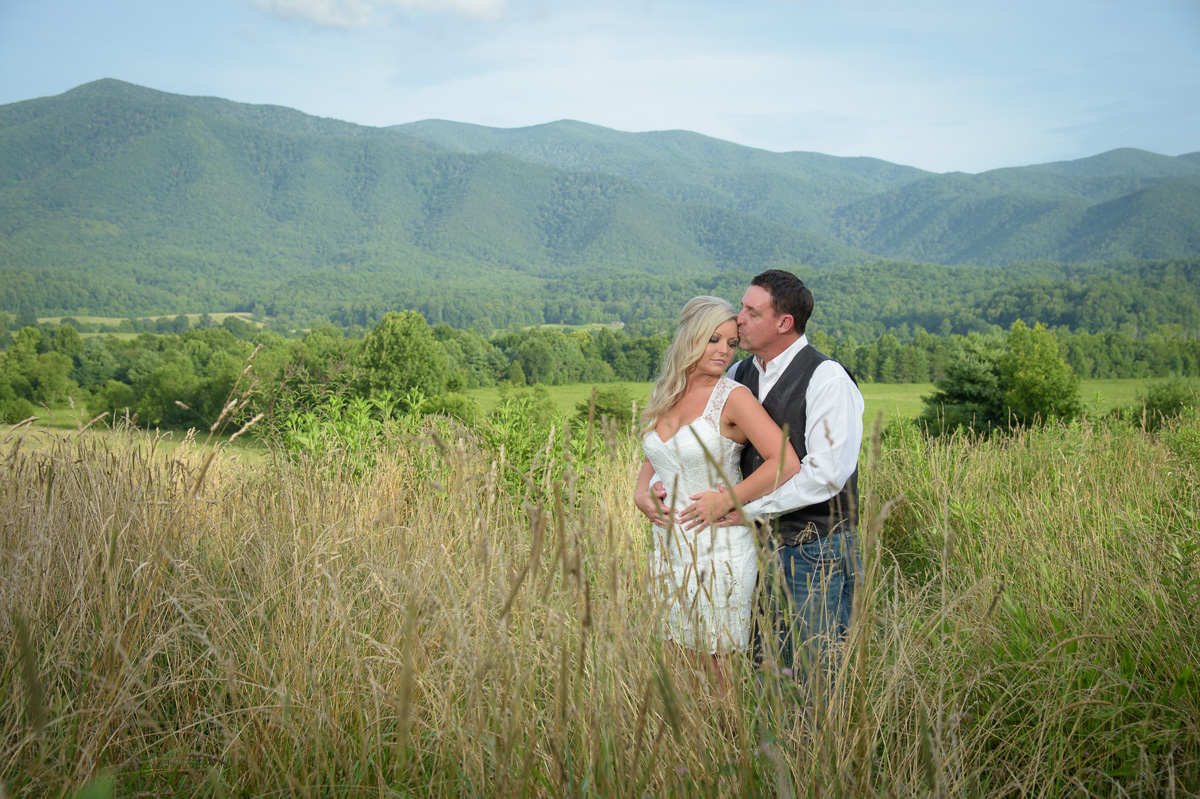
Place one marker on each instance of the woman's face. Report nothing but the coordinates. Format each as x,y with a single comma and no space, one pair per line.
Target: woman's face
719,351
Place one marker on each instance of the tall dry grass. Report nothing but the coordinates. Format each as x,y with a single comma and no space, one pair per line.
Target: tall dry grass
1027,627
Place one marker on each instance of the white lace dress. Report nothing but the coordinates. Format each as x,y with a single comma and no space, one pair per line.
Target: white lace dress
703,581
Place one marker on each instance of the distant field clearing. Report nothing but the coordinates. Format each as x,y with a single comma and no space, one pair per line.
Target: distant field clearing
890,399
193,318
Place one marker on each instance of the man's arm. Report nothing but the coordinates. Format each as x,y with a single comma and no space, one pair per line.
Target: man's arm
832,435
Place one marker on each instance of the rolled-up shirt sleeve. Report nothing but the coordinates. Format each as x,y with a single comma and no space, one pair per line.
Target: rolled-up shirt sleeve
833,434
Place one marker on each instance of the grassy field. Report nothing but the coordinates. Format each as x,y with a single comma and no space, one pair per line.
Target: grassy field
890,399
566,398
58,426
904,399
466,614
193,318
586,326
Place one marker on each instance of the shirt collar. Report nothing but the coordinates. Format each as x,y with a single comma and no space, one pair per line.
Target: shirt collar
776,365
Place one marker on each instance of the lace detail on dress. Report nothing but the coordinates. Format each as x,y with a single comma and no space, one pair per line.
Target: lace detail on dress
716,402
697,457
703,582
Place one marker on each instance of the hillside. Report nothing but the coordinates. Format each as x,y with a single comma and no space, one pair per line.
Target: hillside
1023,214
123,200
796,189
120,198
1125,161
1044,211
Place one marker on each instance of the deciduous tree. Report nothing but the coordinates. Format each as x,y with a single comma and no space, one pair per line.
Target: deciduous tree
1038,384
400,354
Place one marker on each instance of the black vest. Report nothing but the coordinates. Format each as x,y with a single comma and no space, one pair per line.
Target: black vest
788,404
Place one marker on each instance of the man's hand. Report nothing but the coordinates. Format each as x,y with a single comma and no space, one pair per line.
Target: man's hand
650,502
733,519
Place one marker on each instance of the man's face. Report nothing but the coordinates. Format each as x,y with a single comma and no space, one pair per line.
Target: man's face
758,325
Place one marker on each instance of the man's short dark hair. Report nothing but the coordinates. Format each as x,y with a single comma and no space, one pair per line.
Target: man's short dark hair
789,295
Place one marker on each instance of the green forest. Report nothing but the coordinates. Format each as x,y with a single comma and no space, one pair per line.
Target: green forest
119,200
171,374
124,202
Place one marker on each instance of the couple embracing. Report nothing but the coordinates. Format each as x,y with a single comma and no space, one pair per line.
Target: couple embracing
718,467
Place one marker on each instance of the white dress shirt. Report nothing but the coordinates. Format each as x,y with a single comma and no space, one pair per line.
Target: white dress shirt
832,434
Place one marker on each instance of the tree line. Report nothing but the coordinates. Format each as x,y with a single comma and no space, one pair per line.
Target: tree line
863,300
181,377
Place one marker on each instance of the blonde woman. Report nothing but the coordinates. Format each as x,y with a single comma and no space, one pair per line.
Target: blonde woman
694,428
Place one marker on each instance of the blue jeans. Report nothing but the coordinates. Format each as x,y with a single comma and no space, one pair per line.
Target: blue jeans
806,596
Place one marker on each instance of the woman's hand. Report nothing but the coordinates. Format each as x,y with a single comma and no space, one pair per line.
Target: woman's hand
707,507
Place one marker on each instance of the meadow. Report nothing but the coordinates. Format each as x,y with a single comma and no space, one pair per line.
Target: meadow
193,318
893,400
462,611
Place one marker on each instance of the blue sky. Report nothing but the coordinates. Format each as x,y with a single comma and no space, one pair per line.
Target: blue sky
935,84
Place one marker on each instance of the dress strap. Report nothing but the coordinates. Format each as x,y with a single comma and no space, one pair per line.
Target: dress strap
716,402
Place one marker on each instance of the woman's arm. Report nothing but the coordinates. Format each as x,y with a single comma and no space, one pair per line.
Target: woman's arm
780,462
646,500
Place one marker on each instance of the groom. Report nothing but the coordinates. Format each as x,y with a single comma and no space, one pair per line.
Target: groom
812,516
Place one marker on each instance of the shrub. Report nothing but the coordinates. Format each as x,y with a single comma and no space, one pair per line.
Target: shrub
16,409
115,398
1182,435
400,354
993,384
1164,400
613,402
458,406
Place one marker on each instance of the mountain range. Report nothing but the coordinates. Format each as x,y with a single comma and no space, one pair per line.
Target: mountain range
119,199
1115,205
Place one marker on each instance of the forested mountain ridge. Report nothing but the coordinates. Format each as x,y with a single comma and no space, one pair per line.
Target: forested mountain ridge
964,219
122,200
1124,161
1048,211
796,189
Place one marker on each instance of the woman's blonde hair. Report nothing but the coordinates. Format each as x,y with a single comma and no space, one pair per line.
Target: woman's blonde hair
697,321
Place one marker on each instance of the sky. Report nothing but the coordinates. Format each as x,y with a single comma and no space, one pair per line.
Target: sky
944,85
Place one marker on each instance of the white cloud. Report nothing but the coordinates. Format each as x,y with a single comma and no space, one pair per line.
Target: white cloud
361,13
808,80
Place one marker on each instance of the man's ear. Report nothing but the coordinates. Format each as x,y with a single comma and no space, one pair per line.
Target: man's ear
786,323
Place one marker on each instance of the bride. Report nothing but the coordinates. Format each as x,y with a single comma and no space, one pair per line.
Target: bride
694,428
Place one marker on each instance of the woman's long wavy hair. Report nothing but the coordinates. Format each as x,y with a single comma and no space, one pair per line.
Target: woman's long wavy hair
697,321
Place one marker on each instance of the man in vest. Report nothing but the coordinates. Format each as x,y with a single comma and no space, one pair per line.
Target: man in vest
810,518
